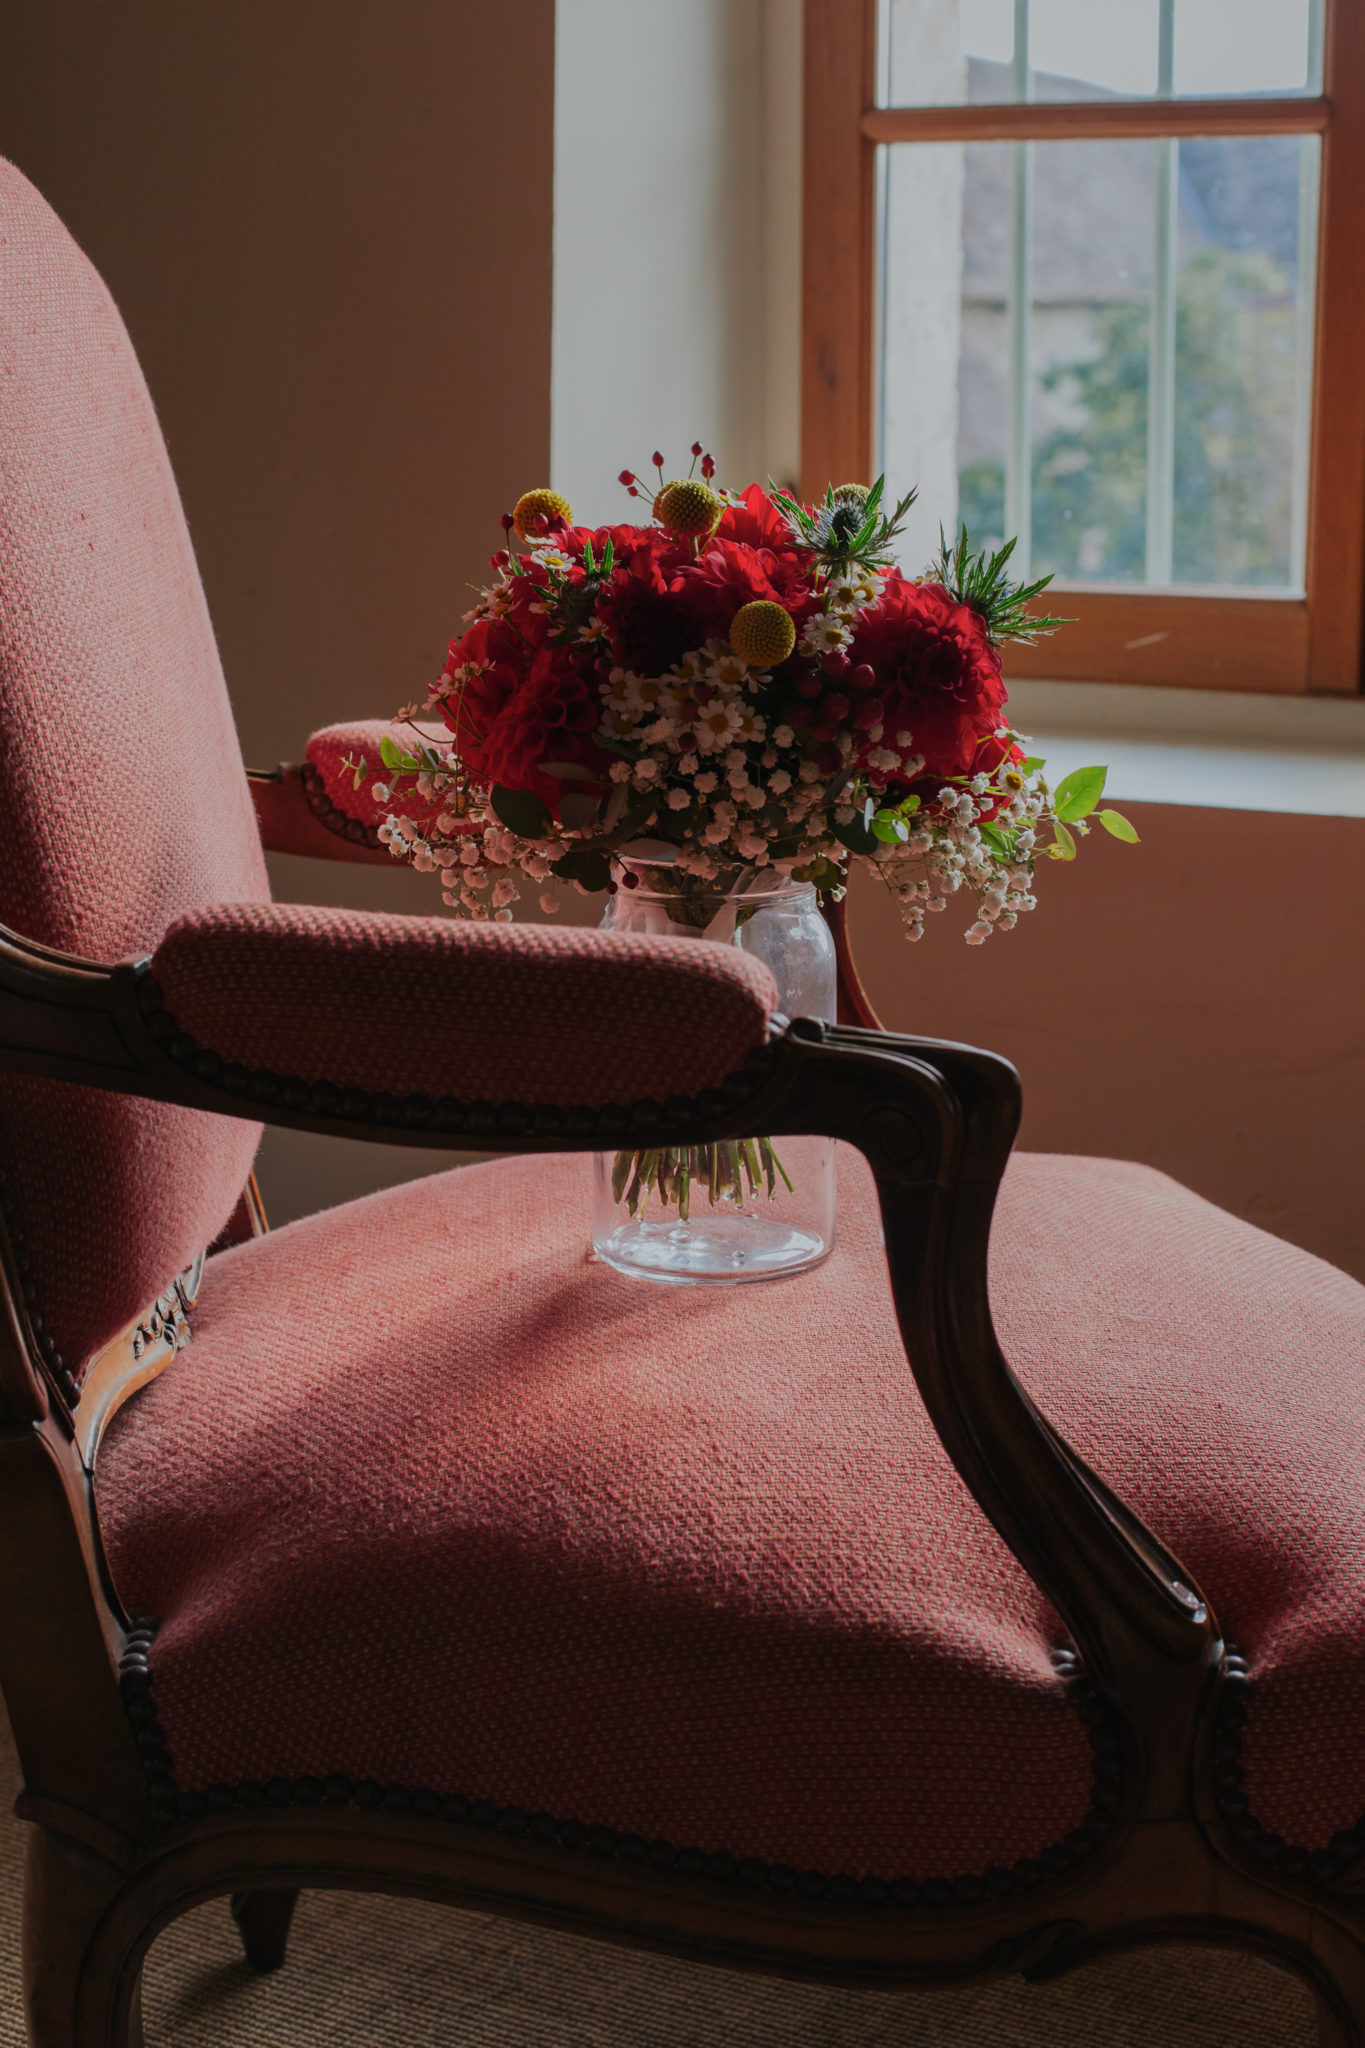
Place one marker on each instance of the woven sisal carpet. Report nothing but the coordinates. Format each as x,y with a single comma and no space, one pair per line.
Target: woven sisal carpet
385,1973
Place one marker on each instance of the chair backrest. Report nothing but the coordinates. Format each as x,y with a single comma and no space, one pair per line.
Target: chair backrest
123,801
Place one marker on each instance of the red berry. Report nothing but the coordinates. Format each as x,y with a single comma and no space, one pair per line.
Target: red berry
826,732
708,468
870,711
507,522
798,716
836,662
633,493
863,677
836,705
696,447
627,476
629,880
808,687
657,459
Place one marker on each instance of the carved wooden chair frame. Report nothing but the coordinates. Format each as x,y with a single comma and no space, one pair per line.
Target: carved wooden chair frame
1168,1852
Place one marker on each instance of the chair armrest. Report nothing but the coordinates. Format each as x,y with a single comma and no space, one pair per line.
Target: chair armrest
314,806
483,1012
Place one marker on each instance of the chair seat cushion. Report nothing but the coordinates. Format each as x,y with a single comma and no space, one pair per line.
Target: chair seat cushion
433,1501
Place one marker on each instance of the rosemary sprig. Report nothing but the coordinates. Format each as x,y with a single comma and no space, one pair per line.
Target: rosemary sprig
982,581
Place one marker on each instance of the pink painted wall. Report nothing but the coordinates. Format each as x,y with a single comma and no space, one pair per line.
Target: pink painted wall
1197,1002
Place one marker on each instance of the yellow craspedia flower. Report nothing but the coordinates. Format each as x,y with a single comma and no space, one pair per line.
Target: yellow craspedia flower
688,509
534,506
762,634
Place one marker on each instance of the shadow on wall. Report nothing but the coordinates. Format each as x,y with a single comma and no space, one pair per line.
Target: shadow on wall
1197,1003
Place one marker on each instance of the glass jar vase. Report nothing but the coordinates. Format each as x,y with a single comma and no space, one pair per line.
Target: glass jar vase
746,1209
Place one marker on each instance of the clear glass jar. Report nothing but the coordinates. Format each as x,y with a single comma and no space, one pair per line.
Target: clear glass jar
716,1215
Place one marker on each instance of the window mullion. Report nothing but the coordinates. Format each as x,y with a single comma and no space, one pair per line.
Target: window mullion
1161,353
1019,450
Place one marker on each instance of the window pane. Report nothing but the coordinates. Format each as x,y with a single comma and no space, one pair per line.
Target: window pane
1237,46
1242,368
964,52
1104,347
1092,259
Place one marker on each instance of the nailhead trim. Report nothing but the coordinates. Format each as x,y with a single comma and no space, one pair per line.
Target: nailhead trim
1318,1866
168,1804
611,1123
332,816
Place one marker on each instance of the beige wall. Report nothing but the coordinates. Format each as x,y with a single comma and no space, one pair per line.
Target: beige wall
328,225
1197,1002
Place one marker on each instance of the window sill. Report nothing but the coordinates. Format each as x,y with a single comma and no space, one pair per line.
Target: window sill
1211,748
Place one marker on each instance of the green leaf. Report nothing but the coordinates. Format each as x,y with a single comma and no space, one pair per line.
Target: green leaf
1033,763
566,771
582,864
1064,840
393,756
1119,827
1077,794
856,836
1000,841
521,811
577,810
892,830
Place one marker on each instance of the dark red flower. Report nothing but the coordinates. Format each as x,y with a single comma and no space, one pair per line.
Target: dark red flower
937,674
734,573
756,522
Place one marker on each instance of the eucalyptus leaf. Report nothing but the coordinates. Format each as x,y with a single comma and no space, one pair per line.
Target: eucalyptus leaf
1064,840
1000,841
1119,827
577,810
521,811
890,829
393,756
566,771
584,865
1077,794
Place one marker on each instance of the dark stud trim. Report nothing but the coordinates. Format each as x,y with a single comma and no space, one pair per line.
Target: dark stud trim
168,1804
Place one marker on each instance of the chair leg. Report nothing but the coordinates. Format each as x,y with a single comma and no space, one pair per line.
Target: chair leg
263,1922
73,1999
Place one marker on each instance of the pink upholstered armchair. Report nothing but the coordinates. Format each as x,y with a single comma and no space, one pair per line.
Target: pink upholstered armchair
404,1548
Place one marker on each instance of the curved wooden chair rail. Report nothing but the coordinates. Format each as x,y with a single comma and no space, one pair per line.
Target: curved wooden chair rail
1168,1860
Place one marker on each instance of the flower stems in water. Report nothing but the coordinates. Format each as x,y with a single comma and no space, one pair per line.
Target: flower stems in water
675,1173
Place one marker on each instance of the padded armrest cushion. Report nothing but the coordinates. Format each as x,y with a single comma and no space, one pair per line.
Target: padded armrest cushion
331,746
485,1012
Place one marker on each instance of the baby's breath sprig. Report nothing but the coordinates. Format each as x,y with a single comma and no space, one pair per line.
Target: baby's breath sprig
848,529
981,580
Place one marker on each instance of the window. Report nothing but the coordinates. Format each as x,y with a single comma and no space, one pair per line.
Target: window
1092,272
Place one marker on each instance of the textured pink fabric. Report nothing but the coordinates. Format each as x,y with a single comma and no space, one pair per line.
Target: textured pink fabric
121,785
337,743
430,1498
486,1012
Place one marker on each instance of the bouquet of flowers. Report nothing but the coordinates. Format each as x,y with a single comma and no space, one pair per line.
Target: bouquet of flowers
741,686
744,682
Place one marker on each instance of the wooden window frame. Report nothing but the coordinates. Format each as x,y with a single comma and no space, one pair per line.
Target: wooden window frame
1185,638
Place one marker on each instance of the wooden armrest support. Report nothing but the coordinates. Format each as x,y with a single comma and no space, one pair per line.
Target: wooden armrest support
295,815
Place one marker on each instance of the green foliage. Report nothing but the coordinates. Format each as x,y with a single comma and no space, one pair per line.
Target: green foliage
521,811
583,864
1077,794
1118,826
979,577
